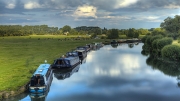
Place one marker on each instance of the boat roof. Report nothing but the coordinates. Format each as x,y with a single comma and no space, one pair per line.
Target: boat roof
42,69
80,50
68,58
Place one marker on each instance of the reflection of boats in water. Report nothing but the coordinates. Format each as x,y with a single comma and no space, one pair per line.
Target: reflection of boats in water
83,61
41,80
38,97
96,46
66,73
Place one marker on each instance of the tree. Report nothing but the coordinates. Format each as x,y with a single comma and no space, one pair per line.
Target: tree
66,29
136,35
172,25
158,31
113,34
131,33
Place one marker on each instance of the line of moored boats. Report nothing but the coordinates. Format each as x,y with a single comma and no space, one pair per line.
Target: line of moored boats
41,79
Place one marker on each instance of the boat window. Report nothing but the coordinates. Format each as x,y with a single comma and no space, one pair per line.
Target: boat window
37,80
66,62
59,62
32,82
48,73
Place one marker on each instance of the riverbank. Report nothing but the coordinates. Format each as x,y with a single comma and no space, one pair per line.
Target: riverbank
20,56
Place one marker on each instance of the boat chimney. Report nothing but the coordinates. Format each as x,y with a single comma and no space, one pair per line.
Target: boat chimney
45,61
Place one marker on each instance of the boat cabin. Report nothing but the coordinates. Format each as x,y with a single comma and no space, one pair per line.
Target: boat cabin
82,54
67,62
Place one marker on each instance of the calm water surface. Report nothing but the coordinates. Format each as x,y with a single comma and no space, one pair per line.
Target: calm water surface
112,74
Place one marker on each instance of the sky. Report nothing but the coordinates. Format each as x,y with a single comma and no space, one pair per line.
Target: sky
121,14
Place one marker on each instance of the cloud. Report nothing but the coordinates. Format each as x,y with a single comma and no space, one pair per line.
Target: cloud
32,5
103,13
124,3
85,11
172,6
10,6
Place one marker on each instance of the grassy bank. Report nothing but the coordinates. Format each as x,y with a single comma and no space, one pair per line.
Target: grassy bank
20,56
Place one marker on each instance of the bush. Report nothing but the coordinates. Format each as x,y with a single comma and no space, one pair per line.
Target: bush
163,42
144,39
155,37
171,52
178,40
154,44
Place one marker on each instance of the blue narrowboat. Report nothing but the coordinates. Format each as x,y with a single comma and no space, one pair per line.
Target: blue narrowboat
71,60
41,80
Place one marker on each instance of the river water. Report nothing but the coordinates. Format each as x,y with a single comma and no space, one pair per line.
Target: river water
119,73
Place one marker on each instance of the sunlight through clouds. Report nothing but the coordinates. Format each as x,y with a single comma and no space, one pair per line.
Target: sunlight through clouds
32,5
125,3
85,11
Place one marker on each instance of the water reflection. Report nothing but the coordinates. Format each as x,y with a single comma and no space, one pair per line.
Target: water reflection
65,73
118,74
114,45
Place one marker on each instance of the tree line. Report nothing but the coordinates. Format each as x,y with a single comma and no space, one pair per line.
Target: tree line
170,27
93,31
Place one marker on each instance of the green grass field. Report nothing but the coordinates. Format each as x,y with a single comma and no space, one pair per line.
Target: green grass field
20,56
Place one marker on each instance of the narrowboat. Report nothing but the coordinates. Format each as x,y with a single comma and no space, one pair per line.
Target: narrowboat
66,62
41,80
86,48
63,74
82,54
90,46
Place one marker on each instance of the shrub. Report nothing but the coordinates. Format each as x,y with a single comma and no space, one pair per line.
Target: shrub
154,43
163,42
155,37
144,39
171,52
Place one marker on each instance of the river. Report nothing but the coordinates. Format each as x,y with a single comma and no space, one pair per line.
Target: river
119,73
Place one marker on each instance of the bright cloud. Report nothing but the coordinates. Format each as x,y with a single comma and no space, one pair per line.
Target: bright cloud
172,6
32,5
125,3
86,11
10,6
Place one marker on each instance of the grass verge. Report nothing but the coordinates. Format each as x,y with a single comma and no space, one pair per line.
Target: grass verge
20,56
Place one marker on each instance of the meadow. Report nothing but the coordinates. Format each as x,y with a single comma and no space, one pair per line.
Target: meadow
21,55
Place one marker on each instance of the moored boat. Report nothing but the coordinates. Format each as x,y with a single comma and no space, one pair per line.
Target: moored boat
82,54
41,80
66,62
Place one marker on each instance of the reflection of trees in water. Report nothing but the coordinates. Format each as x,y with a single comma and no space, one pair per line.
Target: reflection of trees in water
167,67
114,45
130,45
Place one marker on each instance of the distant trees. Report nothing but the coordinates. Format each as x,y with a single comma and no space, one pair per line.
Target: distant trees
18,30
66,29
134,33
113,34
